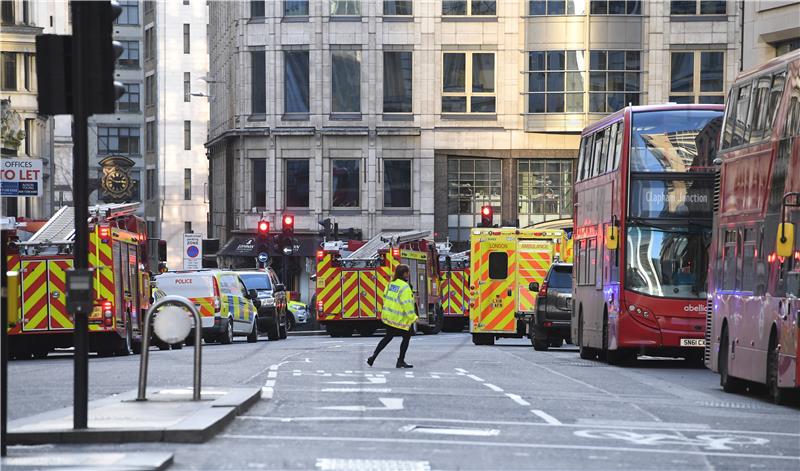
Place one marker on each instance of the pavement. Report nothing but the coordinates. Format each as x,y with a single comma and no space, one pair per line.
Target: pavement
462,407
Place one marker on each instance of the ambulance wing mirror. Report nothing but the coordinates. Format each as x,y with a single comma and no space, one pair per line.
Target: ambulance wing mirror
612,234
252,294
533,286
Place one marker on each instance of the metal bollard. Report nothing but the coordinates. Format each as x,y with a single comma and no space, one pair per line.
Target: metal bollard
198,341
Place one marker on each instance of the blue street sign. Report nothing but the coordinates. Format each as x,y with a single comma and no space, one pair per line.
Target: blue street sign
263,257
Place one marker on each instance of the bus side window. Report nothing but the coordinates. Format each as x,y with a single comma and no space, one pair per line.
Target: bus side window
599,148
758,117
740,131
775,95
589,153
612,145
793,115
729,261
581,160
730,117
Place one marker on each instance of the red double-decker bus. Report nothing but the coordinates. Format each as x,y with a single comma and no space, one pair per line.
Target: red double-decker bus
642,228
753,331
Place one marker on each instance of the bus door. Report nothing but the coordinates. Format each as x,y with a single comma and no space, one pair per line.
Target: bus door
495,282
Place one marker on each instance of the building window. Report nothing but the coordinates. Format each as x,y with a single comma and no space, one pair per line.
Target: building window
8,12
9,71
345,189
397,82
295,8
471,183
151,187
614,80
187,184
697,77
149,43
117,140
258,82
257,9
468,8
187,227
185,2
556,81
697,7
150,90
296,184
397,8
345,7
545,190
615,7
26,12
295,81
149,6
130,100
29,69
187,135
150,136
396,183
259,193
464,92
187,86
130,54
130,13
346,82
187,39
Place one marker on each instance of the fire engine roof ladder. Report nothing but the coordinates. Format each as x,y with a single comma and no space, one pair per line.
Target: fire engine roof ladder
60,229
383,240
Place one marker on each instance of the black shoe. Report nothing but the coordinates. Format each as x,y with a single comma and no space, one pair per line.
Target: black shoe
402,364
370,361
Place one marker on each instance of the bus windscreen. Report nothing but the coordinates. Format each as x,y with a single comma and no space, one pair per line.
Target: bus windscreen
674,141
668,263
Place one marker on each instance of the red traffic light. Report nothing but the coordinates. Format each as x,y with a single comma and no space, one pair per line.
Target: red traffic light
263,227
487,216
288,222
486,210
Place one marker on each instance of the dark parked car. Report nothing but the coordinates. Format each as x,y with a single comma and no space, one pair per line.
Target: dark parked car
550,325
272,295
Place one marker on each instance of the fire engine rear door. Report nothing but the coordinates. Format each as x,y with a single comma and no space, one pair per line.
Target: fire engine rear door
34,295
57,290
350,294
367,296
496,283
534,260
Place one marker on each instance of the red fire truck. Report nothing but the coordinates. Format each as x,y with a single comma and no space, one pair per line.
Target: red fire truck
117,254
350,285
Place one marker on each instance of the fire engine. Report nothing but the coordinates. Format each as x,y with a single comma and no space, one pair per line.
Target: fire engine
117,254
454,284
504,263
350,285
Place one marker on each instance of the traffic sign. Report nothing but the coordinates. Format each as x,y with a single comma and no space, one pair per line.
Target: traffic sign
21,177
192,251
263,257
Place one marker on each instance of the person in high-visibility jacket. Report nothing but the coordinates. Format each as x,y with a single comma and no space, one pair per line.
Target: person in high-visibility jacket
399,314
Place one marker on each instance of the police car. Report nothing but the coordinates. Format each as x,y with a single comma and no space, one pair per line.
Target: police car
226,307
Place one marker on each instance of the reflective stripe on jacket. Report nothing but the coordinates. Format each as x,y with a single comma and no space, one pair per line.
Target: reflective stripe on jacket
398,306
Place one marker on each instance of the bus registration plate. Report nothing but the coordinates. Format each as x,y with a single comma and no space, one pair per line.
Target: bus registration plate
693,342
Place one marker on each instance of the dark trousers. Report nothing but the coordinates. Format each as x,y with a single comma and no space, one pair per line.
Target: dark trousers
392,332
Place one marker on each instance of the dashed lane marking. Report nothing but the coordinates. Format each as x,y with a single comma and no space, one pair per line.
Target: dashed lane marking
338,464
493,387
389,403
272,374
515,444
518,399
358,390
475,378
460,431
546,417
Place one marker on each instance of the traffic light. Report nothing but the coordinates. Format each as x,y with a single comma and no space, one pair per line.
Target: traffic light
85,60
263,227
487,216
262,237
288,224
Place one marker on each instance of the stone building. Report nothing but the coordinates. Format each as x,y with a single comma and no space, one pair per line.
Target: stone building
771,28
412,115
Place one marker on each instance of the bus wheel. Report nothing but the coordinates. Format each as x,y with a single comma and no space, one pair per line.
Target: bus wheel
729,383
777,394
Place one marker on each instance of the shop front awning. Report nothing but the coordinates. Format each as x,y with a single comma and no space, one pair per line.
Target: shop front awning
246,246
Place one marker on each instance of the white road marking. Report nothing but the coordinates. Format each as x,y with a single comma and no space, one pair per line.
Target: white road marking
515,444
473,377
546,417
337,464
370,380
493,387
473,432
389,403
409,374
270,383
519,400
713,442
644,426
267,392
435,376
461,371
357,390
272,374
635,424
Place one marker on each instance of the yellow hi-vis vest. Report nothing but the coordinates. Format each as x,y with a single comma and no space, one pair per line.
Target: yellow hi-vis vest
398,305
